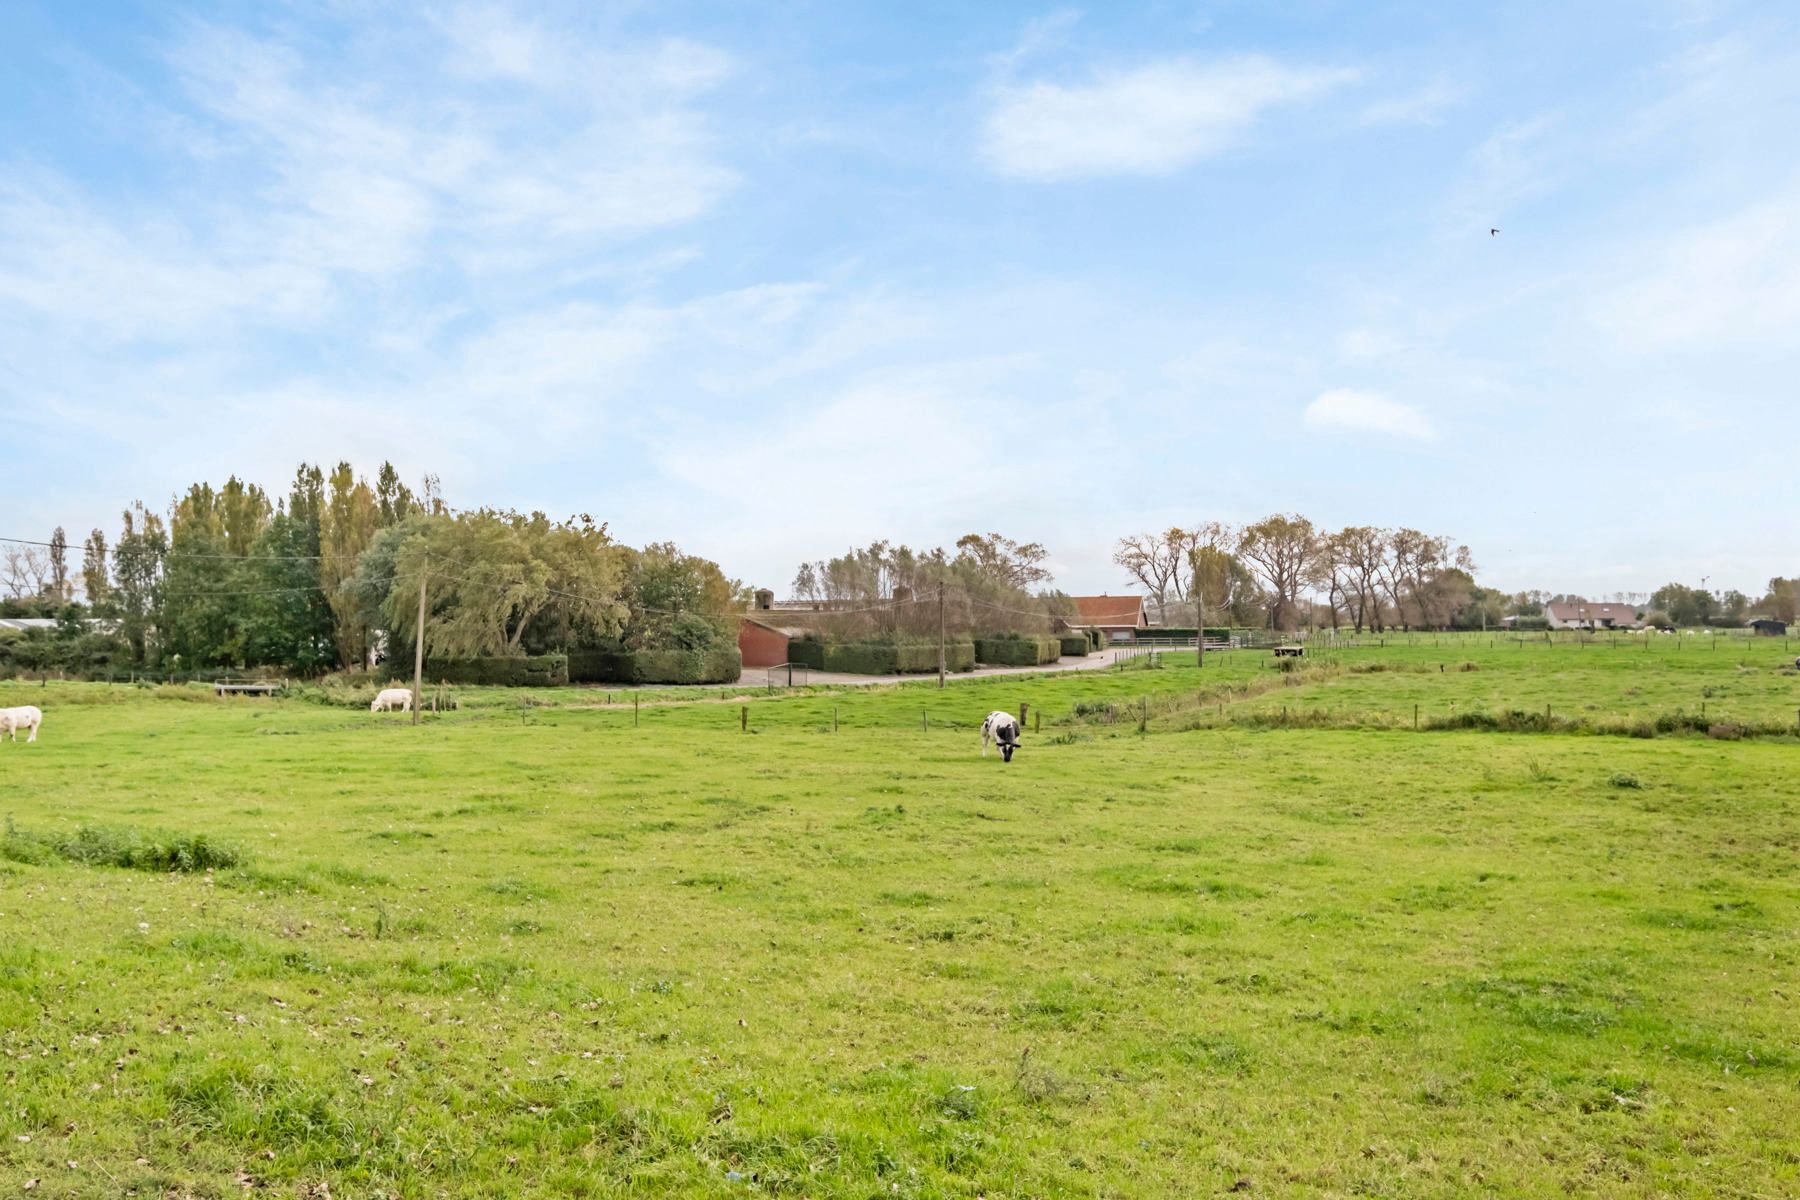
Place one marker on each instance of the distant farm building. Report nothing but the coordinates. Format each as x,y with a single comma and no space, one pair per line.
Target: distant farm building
762,639
1581,614
1119,617
762,644
1769,627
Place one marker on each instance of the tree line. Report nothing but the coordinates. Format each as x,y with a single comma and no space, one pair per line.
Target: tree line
986,583
1283,572
329,577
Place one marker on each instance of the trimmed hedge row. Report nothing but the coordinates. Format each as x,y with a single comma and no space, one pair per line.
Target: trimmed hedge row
887,658
1074,645
1017,650
807,652
721,664
534,670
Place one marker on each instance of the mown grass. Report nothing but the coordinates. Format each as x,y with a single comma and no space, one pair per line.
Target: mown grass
540,951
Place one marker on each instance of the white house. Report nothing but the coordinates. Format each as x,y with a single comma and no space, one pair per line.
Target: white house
1584,614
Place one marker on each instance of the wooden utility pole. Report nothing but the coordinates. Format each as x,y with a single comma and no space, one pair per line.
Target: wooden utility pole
940,636
419,647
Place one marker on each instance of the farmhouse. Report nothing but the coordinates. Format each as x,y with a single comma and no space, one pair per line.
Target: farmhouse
1583,614
1119,617
1769,627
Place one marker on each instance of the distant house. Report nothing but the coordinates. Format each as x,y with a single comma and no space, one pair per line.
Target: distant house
763,644
1119,617
1769,627
1582,614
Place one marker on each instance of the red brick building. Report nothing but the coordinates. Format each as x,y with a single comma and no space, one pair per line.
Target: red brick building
761,645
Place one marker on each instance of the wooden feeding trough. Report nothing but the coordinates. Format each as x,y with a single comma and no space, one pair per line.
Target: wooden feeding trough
1290,651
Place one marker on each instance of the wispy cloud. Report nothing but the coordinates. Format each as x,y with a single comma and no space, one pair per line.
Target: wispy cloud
1728,284
1144,120
1426,106
309,178
1366,412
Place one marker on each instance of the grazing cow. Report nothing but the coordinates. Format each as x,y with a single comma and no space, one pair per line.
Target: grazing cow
1002,729
25,717
391,699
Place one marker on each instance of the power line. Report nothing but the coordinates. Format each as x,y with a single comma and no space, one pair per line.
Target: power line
110,551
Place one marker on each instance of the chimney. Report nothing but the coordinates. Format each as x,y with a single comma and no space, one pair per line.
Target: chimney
765,599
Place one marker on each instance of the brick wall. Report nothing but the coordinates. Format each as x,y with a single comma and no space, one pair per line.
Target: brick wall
760,645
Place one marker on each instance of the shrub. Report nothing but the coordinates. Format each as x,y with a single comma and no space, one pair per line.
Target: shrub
1725,731
719,664
808,651
896,658
1621,779
1096,639
1074,645
1017,650
1530,624
536,670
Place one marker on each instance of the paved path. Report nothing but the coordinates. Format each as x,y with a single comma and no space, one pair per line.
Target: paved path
759,676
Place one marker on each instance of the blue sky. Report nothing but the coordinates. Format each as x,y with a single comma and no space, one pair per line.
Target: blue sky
773,280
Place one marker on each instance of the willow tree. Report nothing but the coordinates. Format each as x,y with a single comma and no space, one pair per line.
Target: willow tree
490,575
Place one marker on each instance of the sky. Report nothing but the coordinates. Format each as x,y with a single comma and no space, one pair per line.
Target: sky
774,280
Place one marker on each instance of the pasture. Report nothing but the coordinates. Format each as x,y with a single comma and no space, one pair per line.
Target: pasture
812,944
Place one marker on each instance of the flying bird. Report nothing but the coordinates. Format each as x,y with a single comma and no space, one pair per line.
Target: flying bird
1492,232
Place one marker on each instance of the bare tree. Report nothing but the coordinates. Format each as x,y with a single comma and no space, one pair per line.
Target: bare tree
1003,560
24,571
1157,561
1361,549
1163,563
1280,549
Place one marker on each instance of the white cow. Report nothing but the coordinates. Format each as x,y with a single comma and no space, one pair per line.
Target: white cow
391,699
25,717
1002,729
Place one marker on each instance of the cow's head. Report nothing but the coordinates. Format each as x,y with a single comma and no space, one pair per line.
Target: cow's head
1006,749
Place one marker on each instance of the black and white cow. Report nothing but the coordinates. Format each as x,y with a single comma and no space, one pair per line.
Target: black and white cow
1002,729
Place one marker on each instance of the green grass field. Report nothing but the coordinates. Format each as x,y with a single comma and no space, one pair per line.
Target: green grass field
560,948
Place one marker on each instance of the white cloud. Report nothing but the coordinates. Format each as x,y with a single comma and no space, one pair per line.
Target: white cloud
1423,107
1730,284
307,175
1517,163
1146,120
1367,412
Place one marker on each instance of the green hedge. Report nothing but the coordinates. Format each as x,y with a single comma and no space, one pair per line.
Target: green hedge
807,652
1097,639
721,664
888,658
1074,645
537,670
1017,650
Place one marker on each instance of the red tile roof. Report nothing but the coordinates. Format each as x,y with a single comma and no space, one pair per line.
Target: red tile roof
1111,611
